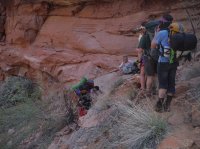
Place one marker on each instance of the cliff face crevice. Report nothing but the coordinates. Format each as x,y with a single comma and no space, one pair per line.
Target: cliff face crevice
2,23
24,21
82,34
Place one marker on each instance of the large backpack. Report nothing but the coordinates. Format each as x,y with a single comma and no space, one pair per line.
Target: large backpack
82,82
151,28
183,42
179,40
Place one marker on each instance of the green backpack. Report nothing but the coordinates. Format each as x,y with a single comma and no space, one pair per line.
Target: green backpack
81,83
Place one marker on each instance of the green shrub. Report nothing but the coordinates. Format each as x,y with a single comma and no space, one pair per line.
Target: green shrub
27,120
18,89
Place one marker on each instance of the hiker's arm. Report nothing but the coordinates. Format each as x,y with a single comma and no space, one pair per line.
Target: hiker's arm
141,47
156,40
153,45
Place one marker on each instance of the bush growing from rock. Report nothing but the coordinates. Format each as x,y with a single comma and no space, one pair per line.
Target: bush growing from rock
140,126
119,82
18,89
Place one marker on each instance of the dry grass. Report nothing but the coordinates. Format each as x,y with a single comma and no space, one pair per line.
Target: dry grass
133,93
21,112
121,125
137,126
118,83
140,126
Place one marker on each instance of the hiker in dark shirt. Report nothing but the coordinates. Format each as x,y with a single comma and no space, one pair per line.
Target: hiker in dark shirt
147,65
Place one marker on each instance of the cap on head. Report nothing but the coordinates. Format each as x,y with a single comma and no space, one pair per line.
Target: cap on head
167,18
165,21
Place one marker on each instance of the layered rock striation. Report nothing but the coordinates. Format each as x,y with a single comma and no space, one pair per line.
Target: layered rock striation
63,40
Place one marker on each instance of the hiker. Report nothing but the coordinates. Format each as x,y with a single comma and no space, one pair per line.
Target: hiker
128,66
83,90
166,69
170,40
140,51
85,86
147,65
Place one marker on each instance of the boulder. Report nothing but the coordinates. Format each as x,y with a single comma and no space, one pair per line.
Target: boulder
195,116
172,142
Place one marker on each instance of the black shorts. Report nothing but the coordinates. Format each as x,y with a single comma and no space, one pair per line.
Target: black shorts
166,76
150,66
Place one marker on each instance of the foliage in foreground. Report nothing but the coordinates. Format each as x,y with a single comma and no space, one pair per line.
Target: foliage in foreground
24,120
118,83
140,126
121,125
18,89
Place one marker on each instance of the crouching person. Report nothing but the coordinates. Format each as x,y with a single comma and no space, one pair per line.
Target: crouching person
83,90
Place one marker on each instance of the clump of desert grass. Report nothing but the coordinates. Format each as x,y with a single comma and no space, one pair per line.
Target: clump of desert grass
140,127
116,84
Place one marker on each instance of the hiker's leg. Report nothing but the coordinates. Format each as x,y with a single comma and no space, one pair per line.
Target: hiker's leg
167,103
163,76
163,85
162,93
142,78
159,105
155,85
171,87
139,53
150,71
150,80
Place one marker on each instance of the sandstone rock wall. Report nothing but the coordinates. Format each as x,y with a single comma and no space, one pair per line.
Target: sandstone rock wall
66,41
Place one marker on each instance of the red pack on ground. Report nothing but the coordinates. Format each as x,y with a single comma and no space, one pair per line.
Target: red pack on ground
82,111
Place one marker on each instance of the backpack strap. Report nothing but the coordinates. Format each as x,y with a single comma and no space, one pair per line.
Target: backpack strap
178,58
162,53
147,51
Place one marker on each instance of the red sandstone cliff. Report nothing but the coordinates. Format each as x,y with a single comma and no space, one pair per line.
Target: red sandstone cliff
58,41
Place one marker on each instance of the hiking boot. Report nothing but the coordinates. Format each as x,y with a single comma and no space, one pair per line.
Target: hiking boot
167,104
154,91
159,105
